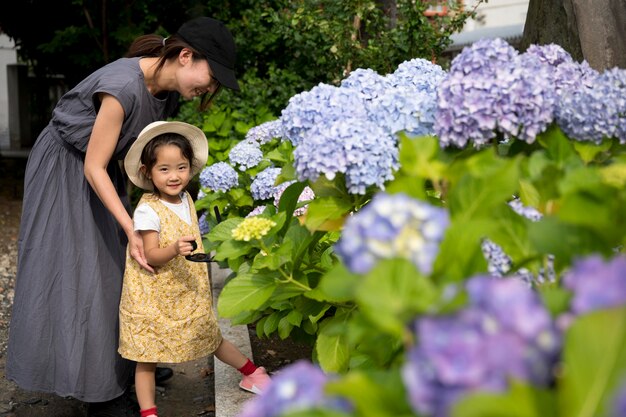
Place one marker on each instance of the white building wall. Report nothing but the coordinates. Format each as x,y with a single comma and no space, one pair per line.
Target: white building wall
497,13
8,55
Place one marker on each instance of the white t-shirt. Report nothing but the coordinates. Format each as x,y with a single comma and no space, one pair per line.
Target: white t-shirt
145,218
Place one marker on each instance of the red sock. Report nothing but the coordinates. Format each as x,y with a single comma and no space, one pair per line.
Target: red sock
248,368
148,412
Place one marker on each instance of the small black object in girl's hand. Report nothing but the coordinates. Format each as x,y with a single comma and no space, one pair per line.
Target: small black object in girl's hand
198,257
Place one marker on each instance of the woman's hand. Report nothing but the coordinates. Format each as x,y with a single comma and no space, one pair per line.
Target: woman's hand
135,246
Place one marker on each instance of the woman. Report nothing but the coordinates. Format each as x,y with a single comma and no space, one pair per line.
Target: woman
75,222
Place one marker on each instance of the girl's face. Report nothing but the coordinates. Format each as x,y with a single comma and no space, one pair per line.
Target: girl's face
171,173
195,77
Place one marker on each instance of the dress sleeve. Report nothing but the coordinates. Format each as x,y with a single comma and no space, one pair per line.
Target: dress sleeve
146,218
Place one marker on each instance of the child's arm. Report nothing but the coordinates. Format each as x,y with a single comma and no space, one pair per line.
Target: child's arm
157,256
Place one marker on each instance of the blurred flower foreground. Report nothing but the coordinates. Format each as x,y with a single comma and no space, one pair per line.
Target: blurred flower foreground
451,242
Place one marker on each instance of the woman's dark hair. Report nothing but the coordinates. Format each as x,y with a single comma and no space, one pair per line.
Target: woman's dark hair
149,153
156,46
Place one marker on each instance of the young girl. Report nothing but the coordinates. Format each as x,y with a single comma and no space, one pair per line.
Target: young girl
167,316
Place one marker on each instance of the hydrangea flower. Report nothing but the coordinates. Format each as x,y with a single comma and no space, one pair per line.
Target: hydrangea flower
307,194
298,387
504,332
393,226
321,105
358,148
401,109
491,89
618,408
262,187
596,283
252,228
203,224
256,211
596,112
417,74
499,264
246,154
265,132
219,177
366,82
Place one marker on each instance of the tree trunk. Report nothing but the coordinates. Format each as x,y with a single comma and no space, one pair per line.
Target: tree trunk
594,30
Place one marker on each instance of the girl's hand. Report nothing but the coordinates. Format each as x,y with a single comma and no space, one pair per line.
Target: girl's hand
135,246
183,245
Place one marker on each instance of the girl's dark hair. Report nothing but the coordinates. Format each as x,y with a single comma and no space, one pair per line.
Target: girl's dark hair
156,46
149,153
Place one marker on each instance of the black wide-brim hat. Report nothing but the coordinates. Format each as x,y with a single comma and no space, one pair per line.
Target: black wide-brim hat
212,39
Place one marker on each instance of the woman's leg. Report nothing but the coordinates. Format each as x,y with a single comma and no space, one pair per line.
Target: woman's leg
145,386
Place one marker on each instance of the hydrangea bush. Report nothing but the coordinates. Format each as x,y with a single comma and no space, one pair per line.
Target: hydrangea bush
450,241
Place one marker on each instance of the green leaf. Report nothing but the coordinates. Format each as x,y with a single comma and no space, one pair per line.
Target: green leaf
326,209
232,249
394,292
331,347
519,401
594,362
337,285
224,230
245,292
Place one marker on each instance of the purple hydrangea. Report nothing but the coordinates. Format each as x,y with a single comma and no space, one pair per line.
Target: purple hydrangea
246,154
366,82
203,224
595,112
321,105
263,185
265,132
491,89
358,148
596,283
219,177
307,194
393,226
505,332
618,408
298,387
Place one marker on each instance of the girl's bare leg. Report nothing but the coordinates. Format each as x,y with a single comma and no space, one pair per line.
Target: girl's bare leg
145,385
230,354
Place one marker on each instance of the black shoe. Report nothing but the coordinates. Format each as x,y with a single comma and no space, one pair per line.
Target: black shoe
162,374
122,406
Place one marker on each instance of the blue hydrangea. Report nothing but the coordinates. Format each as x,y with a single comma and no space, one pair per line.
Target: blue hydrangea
596,283
417,74
263,185
203,224
393,226
366,82
265,132
298,387
505,332
491,89
321,105
219,177
402,109
256,211
358,148
246,154
499,264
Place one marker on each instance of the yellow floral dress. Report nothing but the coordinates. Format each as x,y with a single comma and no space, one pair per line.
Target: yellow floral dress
168,316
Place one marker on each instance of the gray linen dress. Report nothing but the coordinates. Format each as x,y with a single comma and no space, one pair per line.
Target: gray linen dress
63,335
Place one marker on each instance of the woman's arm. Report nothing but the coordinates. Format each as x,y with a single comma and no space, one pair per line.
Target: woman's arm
102,143
157,256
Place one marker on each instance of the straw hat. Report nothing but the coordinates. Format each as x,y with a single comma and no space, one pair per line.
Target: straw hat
195,136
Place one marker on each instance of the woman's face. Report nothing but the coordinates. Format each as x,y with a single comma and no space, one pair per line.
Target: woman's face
195,78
